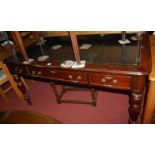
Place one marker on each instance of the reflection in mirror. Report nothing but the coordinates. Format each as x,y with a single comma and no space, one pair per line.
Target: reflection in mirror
113,48
95,47
40,41
56,45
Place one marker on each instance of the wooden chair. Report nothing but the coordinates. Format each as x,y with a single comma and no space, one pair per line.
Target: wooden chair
7,77
150,103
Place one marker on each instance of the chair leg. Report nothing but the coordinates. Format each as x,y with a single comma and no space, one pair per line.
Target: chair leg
3,95
18,92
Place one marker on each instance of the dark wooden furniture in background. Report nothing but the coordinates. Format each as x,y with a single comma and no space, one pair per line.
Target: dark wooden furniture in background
129,76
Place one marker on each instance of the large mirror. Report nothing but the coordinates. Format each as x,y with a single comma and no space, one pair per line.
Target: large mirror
94,47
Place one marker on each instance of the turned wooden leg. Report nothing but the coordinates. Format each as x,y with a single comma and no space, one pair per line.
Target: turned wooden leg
135,106
22,88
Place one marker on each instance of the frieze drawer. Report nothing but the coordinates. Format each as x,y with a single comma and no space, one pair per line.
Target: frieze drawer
74,76
71,76
110,81
18,69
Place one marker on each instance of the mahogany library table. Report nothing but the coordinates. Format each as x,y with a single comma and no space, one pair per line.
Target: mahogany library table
114,62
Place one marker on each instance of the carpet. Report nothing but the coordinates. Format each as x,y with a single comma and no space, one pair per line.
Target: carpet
112,108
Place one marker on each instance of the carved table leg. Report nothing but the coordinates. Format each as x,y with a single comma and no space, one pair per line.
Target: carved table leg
22,88
135,106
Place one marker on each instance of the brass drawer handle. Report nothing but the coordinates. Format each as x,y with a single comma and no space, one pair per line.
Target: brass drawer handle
114,81
79,78
103,80
53,72
70,76
107,85
39,73
33,74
